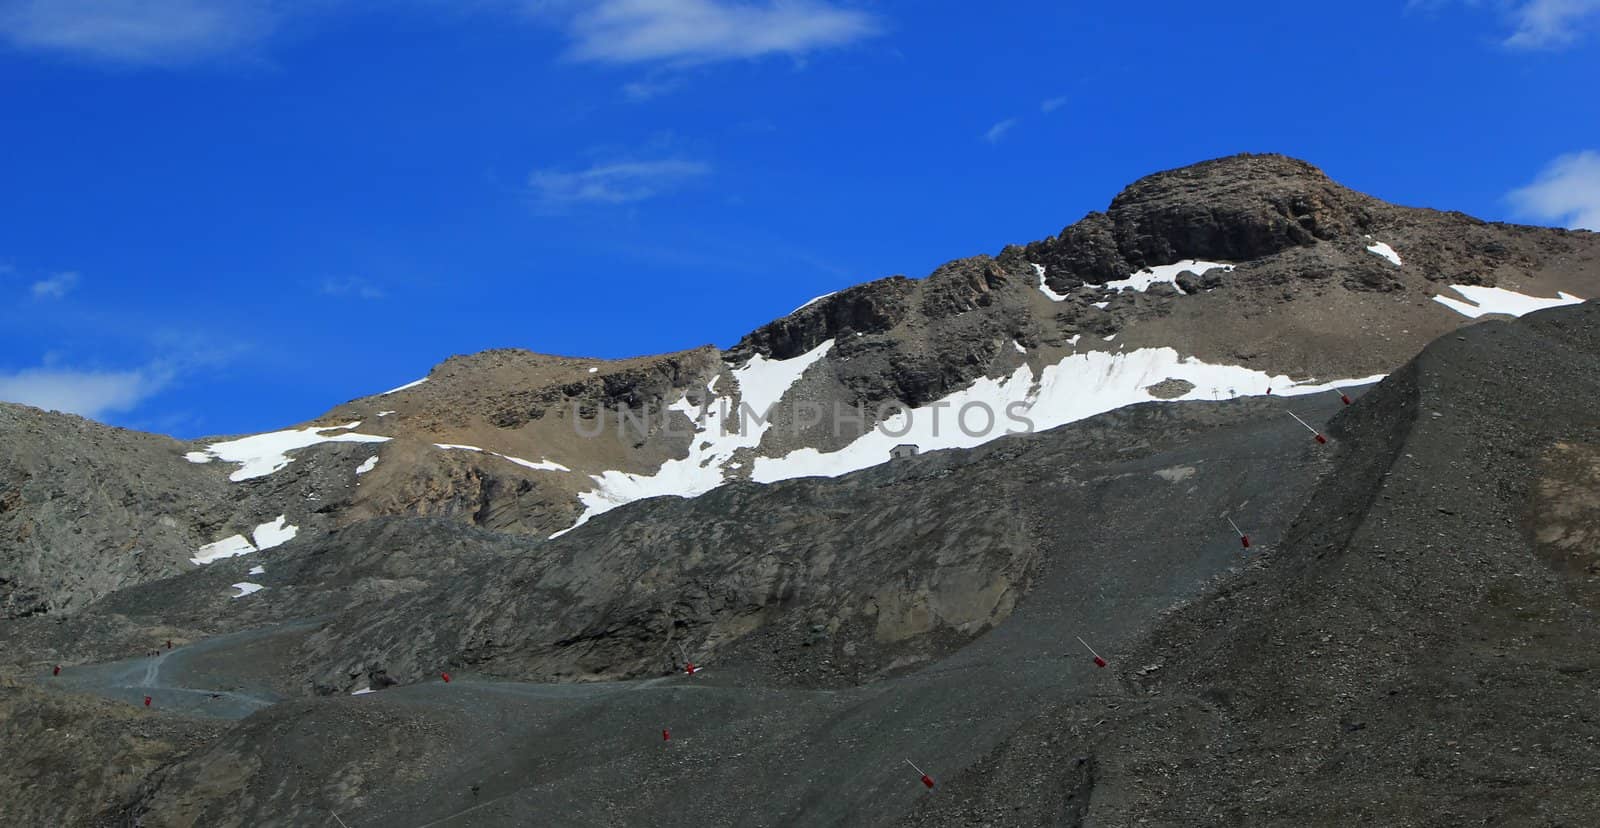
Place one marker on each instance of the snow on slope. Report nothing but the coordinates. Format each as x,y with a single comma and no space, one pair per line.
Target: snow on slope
1483,300
1168,274
1077,387
1385,251
762,382
542,465
812,302
412,384
267,535
228,547
276,533
246,588
367,465
262,454
1044,288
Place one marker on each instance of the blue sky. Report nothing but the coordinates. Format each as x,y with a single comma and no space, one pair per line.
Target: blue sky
225,216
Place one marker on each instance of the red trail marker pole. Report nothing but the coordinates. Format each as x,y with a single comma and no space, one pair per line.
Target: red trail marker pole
1314,433
1244,540
1343,397
446,677
666,735
927,780
56,671
146,701
1098,661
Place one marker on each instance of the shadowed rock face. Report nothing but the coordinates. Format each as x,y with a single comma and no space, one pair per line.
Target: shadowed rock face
1414,651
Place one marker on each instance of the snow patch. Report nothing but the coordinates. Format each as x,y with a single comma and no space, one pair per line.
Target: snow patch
257,570
1385,251
384,413
812,302
594,370
1485,300
1079,386
413,384
1100,305
229,547
275,533
367,465
1167,274
262,454
542,465
246,588
1044,288
362,692
197,457
762,382
1018,346
267,535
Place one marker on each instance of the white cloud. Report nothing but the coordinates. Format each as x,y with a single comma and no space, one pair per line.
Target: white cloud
357,288
999,130
1545,24
1050,105
90,394
1536,24
620,182
1566,191
136,31
703,31
56,286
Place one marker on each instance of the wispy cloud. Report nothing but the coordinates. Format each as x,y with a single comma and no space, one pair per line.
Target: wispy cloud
998,131
1535,24
1547,24
55,287
1567,192
137,31
92,394
353,288
1050,105
704,31
619,182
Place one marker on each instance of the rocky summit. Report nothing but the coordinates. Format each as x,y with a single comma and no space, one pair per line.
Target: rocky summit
1250,500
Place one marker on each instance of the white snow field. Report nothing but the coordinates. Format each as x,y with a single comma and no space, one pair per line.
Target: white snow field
247,588
762,382
1485,300
542,465
267,535
262,454
1079,386
257,570
367,465
1385,251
